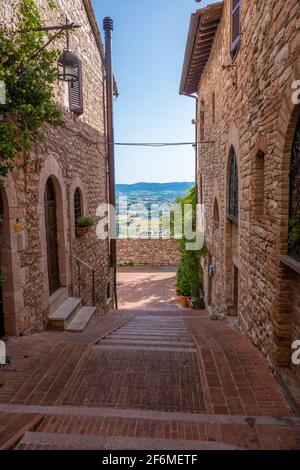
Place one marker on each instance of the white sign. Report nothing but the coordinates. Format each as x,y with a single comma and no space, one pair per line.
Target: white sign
2,353
2,93
296,354
296,94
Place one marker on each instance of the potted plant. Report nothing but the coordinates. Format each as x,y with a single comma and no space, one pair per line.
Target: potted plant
83,224
182,288
197,303
183,299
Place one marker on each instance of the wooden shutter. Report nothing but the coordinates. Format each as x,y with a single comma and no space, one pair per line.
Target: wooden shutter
77,204
75,90
235,24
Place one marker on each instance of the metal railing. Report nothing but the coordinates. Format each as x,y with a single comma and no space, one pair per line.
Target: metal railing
80,263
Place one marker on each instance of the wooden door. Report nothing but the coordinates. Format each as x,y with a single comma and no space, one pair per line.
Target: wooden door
51,232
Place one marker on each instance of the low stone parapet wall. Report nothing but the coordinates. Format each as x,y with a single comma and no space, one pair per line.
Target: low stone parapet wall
142,252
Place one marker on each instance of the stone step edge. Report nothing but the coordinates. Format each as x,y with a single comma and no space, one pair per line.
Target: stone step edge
81,320
60,322
83,441
141,347
90,411
30,426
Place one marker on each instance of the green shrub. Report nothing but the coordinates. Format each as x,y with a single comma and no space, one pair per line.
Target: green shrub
190,275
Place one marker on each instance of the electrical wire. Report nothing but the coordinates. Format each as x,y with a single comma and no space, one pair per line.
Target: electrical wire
160,144
138,144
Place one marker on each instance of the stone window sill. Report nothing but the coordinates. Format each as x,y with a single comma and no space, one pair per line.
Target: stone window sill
290,263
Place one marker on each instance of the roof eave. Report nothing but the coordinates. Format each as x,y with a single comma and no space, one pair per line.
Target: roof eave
191,39
211,16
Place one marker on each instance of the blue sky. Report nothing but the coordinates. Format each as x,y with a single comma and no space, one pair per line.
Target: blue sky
149,43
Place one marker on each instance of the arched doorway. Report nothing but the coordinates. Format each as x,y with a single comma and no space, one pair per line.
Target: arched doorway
2,327
51,236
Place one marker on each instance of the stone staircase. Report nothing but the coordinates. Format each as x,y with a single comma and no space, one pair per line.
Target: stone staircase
68,313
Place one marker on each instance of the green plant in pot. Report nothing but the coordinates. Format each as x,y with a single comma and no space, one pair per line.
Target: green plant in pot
182,287
190,274
83,225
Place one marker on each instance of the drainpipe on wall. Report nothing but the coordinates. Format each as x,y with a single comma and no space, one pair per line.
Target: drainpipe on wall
196,142
108,26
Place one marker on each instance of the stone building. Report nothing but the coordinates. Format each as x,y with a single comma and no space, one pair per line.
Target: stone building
48,268
242,62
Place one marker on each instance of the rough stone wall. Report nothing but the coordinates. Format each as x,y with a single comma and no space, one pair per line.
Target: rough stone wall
75,156
254,111
148,252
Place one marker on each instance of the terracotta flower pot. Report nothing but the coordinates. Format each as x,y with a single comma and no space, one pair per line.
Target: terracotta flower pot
183,301
81,231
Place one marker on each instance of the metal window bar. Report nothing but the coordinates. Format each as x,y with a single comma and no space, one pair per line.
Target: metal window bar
294,209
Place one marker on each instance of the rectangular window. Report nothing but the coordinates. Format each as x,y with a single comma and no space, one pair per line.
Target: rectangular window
259,183
76,92
236,6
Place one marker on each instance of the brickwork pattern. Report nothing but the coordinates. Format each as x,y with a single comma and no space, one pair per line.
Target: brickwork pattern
203,386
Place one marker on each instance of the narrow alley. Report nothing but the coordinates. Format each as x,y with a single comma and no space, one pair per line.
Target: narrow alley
156,377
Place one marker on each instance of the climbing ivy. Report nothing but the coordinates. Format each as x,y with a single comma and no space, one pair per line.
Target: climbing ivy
29,74
190,275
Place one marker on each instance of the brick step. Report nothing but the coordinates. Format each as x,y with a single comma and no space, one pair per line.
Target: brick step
83,318
150,332
58,298
64,314
13,426
151,328
162,338
142,347
147,342
239,431
56,441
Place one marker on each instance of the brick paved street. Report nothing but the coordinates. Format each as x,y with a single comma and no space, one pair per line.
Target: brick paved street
160,378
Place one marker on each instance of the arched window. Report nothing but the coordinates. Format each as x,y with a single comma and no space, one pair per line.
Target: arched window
233,189
259,190
77,204
294,211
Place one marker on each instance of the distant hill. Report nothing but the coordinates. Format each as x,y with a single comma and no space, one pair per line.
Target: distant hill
176,187
141,197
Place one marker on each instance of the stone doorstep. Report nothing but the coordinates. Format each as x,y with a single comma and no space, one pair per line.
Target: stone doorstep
80,441
64,314
82,319
58,298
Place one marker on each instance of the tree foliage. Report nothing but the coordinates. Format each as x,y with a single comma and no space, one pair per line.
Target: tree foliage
29,73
